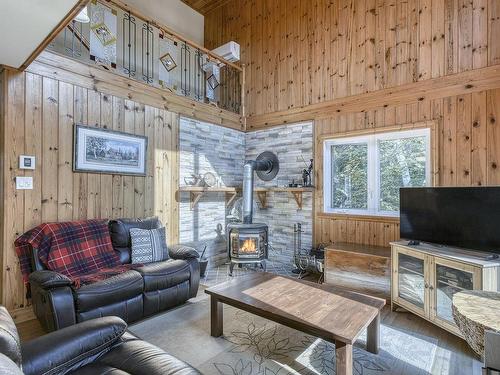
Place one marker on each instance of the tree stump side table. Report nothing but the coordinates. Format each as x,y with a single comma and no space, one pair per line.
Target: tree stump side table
476,311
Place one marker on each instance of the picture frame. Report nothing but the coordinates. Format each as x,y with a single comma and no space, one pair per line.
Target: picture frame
213,82
168,62
103,34
97,150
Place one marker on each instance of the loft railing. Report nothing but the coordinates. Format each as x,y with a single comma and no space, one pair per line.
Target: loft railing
121,40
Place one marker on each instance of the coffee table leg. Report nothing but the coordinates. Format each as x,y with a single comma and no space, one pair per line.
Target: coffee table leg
216,317
373,335
343,358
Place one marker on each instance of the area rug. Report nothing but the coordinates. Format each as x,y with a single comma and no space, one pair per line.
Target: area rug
253,345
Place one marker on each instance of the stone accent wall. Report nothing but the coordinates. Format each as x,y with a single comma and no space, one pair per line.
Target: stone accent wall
208,148
292,144
211,148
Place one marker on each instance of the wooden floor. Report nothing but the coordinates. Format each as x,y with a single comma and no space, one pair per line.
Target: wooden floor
453,356
30,330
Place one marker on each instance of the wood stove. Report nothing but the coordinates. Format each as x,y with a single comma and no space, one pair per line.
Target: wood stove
247,242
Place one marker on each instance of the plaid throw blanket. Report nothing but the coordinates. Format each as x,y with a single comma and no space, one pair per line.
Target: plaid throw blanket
80,250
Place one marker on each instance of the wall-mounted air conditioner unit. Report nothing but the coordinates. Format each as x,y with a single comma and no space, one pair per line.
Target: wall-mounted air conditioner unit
229,51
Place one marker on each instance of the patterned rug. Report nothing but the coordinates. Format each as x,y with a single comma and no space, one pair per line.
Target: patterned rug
253,345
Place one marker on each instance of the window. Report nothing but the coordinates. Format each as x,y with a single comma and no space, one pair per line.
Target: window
363,174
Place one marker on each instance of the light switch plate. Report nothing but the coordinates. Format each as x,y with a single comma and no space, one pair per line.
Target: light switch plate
26,162
24,183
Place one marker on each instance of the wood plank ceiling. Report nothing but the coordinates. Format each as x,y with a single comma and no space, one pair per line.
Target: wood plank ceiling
205,6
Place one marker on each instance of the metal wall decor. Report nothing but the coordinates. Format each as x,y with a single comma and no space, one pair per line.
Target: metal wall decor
129,46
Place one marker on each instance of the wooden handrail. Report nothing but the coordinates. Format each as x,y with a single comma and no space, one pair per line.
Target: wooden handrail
81,38
80,4
127,8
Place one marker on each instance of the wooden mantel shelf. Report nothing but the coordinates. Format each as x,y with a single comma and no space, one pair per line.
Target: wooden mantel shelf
295,191
196,192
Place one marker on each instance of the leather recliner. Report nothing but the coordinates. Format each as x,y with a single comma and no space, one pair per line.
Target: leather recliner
97,346
131,295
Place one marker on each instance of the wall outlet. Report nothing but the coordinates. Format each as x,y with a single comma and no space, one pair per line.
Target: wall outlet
24,183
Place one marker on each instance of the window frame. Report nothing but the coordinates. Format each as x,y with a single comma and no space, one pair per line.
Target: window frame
373,168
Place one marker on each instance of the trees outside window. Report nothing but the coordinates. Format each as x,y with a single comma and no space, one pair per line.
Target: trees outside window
363,174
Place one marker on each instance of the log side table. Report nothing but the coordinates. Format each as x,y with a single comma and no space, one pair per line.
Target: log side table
476,311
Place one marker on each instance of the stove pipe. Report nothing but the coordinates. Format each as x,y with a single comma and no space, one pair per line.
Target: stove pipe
267,166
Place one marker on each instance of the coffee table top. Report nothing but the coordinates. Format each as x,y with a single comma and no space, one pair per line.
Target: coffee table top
320,310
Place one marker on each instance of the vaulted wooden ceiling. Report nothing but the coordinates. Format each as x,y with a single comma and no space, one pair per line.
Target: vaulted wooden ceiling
205,6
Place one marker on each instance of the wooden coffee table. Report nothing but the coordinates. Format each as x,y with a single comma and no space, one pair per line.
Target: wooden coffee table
319,310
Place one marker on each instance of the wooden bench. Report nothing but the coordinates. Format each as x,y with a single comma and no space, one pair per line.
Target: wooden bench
360,268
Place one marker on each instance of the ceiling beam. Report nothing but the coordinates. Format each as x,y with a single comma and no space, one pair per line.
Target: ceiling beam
205,6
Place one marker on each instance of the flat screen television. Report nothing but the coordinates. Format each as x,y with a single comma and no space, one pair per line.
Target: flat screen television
465,217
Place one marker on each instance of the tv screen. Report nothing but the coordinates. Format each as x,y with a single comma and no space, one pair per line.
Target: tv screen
466,217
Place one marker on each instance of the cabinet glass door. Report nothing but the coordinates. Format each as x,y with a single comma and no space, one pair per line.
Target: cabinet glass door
449,281
411,281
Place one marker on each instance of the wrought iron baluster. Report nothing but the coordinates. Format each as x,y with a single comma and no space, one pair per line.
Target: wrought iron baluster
237,108
233,79
129,38
223,97
237,92
199,81
233,91
148,40
185,70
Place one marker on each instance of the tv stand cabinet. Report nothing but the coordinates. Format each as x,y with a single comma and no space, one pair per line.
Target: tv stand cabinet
424,278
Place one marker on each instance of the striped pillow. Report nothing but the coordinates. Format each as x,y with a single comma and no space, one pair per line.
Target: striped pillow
148,246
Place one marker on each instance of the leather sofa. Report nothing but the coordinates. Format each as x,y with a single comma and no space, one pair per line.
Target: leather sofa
131,295
97,346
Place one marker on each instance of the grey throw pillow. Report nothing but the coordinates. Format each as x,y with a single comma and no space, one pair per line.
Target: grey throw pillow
148,246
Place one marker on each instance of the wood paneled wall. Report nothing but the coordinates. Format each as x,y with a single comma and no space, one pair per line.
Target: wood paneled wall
64,69
38,119
301,52
318,59
468,154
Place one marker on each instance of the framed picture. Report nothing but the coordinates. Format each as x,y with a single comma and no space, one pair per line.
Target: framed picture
212,82
103,34
168,62
105,151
